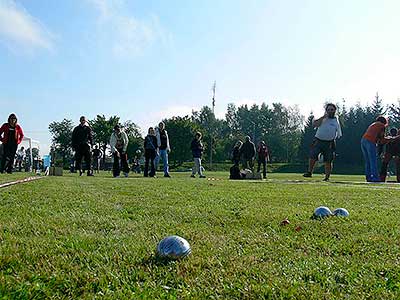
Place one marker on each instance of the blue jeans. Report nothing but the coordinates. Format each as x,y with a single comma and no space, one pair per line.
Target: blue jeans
164,156
371,161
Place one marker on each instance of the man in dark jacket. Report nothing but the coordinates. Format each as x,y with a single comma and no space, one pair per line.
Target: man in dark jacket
82,140
248,151
236,153
150,152
11,136
197,151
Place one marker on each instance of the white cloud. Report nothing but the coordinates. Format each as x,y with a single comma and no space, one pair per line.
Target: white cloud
128,35
19,29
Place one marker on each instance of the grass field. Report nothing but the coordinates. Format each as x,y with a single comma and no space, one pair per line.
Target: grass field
85,238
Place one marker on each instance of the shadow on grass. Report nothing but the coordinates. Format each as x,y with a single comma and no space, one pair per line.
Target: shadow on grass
155,260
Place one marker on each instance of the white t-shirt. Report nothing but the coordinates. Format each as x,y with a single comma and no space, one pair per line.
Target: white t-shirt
20,154
329,130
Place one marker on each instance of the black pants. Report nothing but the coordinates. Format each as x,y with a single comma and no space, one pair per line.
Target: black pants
264,164
248,163
7,160
120,162
83,151
149,155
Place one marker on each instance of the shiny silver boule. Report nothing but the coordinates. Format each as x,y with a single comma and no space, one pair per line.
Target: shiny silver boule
340,212
322,212
173,247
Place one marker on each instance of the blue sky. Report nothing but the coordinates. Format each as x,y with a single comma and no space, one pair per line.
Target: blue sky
150,59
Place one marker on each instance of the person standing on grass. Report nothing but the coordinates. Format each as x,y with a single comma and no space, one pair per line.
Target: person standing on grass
197,151
96,154
374,135
164,148
262,157
392,151
119,144
236,153
11,135
20,158
150,152
324,143
82,140
247,152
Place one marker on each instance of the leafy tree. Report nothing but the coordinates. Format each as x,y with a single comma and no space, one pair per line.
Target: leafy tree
134,136
307,137
102,130
181,131
61,133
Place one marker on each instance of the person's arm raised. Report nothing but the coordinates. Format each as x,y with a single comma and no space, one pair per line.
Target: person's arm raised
318,122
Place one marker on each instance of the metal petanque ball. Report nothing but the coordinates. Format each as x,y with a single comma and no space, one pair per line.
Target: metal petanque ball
340,212
173,247
322,212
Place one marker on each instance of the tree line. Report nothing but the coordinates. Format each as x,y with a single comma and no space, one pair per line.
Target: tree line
286,131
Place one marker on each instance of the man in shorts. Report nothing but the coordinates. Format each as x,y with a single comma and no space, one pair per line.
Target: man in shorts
328,130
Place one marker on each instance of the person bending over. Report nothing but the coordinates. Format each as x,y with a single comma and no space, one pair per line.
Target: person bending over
375,134
392,150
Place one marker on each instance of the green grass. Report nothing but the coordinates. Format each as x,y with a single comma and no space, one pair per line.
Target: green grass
79,237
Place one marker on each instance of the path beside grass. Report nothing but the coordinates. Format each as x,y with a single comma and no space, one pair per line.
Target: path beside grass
81,237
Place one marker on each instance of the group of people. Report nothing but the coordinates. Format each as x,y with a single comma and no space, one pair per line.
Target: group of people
246,153
329,130
157,146
375,134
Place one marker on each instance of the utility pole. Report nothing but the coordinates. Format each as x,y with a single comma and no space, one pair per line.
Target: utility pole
214,88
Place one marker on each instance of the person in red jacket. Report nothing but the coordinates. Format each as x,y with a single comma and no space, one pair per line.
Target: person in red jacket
11,136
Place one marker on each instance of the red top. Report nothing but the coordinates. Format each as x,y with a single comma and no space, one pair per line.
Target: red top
19,134
262,151
375,133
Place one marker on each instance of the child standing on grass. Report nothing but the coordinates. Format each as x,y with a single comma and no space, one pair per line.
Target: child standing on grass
197,151
374,135
150,152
